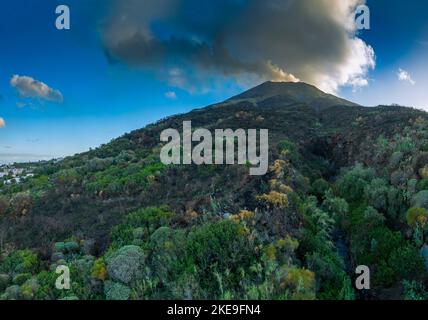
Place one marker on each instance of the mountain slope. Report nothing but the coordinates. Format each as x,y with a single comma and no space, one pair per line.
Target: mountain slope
313,215
97,181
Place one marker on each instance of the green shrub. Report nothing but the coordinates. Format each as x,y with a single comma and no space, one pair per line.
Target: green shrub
138,233
422,185
384,275
56,256
47,290
71,246
20,278
377,194
126,264
4,281
397,203
352,184
319,188
168,253
321,255
13,293
83,264
300,282
404,144
372,218
118,179
30,288
347,290
21,261
290,149
420,200
406,262
116,291
217,248
59,247
142,223
395,159
388,254
338,207
414,290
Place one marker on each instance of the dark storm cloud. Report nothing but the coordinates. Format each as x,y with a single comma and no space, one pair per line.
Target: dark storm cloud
313,40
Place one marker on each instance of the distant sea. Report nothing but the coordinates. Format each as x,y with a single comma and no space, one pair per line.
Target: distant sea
10,158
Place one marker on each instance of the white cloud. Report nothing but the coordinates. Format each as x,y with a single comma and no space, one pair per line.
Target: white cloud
28,87
2,123
171,95
403,75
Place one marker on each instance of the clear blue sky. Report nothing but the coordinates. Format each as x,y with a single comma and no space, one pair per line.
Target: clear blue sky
106,92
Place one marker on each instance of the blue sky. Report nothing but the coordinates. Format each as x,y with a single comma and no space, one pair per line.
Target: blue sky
107,91
399,37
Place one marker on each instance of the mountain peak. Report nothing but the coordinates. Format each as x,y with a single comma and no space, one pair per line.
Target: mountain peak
292,92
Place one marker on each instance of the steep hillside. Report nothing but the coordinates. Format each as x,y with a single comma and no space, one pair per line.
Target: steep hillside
347,185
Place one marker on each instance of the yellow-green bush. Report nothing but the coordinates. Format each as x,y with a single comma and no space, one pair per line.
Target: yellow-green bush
417,216
99,270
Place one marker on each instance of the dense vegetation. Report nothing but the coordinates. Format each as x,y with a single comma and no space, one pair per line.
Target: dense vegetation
346,186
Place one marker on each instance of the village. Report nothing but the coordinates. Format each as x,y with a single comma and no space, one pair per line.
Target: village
9,174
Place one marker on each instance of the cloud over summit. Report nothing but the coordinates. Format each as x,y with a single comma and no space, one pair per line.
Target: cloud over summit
283,40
